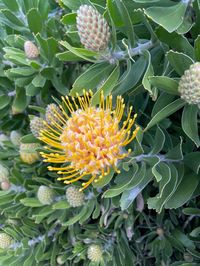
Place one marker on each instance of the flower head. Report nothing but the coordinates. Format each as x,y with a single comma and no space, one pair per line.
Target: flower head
88,140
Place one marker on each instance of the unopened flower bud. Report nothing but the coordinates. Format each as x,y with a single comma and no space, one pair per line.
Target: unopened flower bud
160,231
36,125
74,196
94,253
31,50
4,173
5,185
93,29
45,195
51,110
189,85
60,260
5,240
28,152
15,137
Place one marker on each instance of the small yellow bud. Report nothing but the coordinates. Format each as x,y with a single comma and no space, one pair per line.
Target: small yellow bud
28,152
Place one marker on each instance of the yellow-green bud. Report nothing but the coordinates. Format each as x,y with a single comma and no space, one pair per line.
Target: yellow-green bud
5,240
93,29
31,50
28,152
74,196
51,111
45,195
189,85
4,173
60,260
94,253
36,125
15,137
3,138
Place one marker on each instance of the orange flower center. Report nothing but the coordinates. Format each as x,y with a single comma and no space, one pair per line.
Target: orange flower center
91,140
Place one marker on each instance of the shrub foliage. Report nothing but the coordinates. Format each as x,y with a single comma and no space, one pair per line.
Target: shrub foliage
147,51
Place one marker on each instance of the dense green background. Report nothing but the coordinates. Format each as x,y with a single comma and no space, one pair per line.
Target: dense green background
163,170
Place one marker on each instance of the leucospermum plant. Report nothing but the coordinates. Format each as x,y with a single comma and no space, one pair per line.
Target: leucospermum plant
87,140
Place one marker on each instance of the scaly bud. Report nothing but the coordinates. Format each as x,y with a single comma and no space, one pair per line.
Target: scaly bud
93,29
189,85
50,114
74,197
5,240
4,173
15,137
28,152
36,124
94,253
45,195
31,50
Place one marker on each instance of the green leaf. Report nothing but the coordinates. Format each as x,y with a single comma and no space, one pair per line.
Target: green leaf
191,211
12,5
127,22
104,181
189,123
73,5
91,78
34,20
60,205
77,217
172,16
160,170
78,52
20,101
149,72
167,186
107,86
179,61
184,239
175,41
175,153
39,81
38,109
22,71
31,202
31,90
128,196
69,19
192,161
4,101
165,84
68,57
159,141
132,76
12,18
197,48
184,191
29,139
126,178
165,112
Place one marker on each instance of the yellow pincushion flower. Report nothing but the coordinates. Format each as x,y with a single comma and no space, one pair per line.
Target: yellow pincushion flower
88,140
